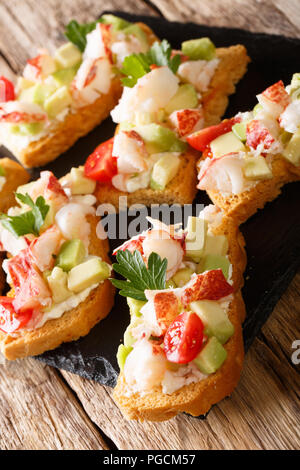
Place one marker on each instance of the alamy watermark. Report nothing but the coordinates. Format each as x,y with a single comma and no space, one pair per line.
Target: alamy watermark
127,222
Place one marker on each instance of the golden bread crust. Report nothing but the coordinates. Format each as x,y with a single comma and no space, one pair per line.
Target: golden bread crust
15,176
242,206
232,67
72,324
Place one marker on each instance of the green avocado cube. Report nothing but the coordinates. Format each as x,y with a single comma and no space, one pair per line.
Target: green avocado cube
136,31
216,244
128,338
71,254
64,76
257,109
86,274
57,281
214,319
199,49
160,139
212,356
164,170
37,93
256,168
58,101
182,277
195,238
135,306
68,55
226,143
211,261
80,184
239,130
185,98
2,171
116,22
122,354
30,128
292,150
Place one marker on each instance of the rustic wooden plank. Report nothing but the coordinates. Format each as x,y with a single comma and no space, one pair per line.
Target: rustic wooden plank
261,414
28,25
255,15
39,412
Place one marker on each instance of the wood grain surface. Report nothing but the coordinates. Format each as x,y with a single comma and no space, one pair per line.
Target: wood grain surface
43,408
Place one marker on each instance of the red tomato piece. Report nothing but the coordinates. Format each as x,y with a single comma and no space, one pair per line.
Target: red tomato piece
7,90
258,134
211,285
9,320
201,139
101,165
184,338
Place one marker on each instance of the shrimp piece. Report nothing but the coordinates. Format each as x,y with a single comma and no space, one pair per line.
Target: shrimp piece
42,249
145,366
161,242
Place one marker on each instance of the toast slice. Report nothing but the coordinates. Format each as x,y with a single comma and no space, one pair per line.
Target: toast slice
198,397
242,206
72,324
15,175
182,188
75,125
256,152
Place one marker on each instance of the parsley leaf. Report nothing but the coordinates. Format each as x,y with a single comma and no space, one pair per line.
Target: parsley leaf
76,33
139,277
136,66
28,222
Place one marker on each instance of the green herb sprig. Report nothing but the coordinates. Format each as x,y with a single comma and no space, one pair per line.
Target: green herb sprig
136,66
76,33
139,276
28,222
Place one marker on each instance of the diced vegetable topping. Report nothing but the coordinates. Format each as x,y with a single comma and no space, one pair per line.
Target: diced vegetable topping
7,90
101,165
183,339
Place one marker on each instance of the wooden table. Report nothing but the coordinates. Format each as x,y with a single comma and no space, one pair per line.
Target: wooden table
43,408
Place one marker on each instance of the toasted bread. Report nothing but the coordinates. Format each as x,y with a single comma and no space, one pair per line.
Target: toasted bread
232,67
242,206
182,189
74,126
72,324
197,398
15,175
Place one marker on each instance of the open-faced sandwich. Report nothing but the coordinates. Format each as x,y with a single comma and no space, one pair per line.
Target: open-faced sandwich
12,175
248,158
56,266
183,350
62,97
167,95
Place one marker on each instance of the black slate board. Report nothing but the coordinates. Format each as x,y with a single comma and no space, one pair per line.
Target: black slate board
272,235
